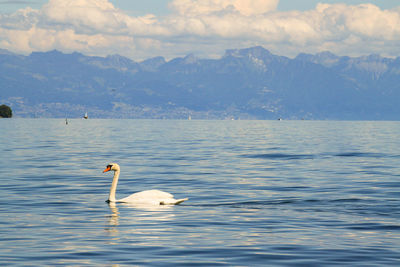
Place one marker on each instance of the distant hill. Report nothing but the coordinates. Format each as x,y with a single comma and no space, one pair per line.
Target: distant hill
244,83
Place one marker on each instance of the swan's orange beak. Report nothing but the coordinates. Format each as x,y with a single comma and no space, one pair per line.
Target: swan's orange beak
107,169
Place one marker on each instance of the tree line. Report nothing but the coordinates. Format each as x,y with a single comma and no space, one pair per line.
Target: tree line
5,111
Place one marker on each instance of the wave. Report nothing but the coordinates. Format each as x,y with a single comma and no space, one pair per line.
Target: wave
279,156
279,202
287,156
342,205
374,227
360,155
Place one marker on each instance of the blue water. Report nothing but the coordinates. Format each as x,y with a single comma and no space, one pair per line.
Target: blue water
261,193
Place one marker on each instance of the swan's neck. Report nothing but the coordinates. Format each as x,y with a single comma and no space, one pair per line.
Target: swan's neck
113,189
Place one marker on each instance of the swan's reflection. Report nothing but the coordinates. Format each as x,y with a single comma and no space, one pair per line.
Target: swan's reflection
113,220
114,216
139,207
141,217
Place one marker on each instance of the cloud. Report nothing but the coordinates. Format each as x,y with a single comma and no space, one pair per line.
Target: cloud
205,7
202,27
89,26
91,17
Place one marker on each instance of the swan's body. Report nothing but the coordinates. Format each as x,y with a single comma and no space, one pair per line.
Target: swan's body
148,197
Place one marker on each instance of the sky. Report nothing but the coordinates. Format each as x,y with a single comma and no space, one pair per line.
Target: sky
206,28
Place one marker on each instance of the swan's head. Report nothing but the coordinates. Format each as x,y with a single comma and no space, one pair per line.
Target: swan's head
112,167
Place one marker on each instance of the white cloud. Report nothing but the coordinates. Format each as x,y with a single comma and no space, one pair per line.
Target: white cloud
82,15
203,27
370,21
204,7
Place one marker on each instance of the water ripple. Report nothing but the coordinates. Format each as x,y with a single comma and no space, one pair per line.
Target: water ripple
260,193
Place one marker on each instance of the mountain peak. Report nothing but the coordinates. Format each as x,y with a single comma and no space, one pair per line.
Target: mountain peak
324,58
256,51
55,55
189,59
152,64
119,60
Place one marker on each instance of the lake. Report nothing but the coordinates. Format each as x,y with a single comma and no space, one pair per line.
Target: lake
261,193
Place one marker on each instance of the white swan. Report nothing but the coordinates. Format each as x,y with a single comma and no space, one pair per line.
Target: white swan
148,197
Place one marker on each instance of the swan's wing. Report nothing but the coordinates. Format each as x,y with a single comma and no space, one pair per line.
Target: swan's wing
153,194
149,196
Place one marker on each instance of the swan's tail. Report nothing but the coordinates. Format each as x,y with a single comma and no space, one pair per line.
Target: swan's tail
177,202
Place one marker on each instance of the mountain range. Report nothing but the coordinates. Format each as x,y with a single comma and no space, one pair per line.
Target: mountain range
249,83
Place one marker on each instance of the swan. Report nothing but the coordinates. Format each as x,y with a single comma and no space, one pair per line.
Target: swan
148,197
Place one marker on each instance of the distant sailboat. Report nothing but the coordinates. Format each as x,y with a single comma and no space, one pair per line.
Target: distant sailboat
86,116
